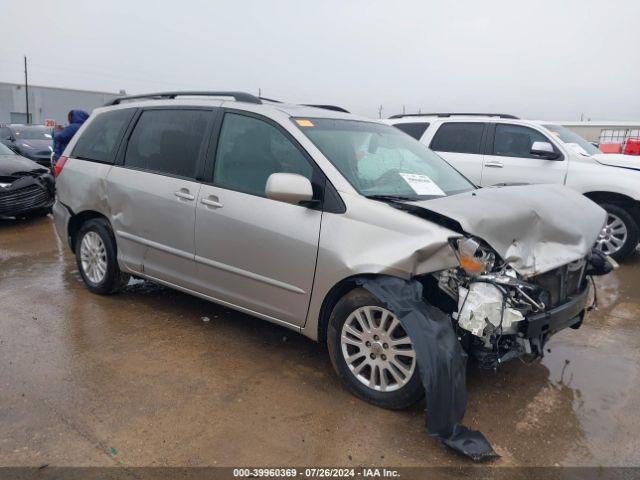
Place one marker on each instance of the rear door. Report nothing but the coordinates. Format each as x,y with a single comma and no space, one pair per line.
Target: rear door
253,252
461,144
508,158
152,192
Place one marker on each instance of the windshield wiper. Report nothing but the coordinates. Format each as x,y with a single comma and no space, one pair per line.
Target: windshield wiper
392,198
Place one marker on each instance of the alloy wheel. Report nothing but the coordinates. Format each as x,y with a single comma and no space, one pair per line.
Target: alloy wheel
613,235
93,256
377,350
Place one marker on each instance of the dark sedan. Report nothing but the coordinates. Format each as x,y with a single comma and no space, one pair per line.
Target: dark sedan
31,141
26,188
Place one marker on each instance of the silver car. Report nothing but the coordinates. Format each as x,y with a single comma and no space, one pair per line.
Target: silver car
286,211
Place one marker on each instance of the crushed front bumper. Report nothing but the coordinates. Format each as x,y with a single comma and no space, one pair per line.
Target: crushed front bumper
568,314
27,194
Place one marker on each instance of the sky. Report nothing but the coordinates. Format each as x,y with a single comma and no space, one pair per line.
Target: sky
552,60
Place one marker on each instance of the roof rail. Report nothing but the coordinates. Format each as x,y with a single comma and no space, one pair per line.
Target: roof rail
238,96
500,115
335,108
270,100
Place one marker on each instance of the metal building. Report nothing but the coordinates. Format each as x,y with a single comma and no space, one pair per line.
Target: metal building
46,103
605,132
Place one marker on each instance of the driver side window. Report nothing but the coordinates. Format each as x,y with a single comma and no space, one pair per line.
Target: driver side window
250,150
516,141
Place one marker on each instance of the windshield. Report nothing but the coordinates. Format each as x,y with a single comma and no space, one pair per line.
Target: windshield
380,160
573,140
32,133
4,150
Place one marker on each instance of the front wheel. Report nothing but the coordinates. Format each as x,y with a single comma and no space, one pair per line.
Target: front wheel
619,236
372,353
97,259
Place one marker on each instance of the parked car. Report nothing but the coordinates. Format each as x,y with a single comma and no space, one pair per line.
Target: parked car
31,141
26,188
495,149
283,211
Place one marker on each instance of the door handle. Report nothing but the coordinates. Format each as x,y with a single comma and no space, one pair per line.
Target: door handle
184,194
211,201
494,164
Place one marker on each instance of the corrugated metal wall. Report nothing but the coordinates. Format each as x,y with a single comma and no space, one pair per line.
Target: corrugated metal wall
46,102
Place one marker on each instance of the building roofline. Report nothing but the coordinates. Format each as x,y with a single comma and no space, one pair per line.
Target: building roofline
605,123
14,84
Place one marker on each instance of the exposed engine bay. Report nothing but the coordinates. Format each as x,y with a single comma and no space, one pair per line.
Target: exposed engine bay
500,315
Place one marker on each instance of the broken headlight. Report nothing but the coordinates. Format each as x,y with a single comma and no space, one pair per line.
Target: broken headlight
473,257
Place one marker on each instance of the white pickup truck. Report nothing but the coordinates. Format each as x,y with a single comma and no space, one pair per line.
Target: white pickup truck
498,149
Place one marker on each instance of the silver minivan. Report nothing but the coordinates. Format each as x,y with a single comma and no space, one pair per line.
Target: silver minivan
286,211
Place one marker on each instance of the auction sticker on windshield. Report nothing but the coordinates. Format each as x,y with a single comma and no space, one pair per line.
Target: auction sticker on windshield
422,184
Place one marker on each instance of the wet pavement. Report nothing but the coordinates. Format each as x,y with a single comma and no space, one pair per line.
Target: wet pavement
141,379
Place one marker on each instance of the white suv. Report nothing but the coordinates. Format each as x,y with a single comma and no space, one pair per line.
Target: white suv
498,149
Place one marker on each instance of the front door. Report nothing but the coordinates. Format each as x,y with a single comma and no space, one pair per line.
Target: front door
510,159
253,252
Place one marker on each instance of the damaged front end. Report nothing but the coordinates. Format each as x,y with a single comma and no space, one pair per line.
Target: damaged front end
500,315
23,192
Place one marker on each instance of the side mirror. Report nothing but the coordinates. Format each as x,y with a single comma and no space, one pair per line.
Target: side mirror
544,149
289,188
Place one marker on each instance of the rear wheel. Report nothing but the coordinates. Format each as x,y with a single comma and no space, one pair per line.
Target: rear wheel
96,258
619,236
372,353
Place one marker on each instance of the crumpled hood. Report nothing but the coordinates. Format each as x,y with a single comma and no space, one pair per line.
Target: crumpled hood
10,164
618,160
535,228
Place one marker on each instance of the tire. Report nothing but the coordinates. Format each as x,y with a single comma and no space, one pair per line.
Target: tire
100,248
609,238
394,397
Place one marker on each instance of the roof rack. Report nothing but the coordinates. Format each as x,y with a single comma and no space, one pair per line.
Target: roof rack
500,115
238,96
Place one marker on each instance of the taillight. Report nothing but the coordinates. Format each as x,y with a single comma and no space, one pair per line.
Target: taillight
57,170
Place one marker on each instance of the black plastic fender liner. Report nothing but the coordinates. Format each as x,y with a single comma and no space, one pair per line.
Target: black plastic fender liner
598,263
441,362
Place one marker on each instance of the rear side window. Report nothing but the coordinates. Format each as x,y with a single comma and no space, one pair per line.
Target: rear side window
458,137
168,141
516,141
250,150
101,138
416,130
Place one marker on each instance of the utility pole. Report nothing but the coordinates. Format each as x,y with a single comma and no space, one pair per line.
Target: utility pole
26,88
380,111
403,110
259,93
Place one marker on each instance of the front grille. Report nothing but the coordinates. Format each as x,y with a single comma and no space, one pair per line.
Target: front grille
23,199
563,282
